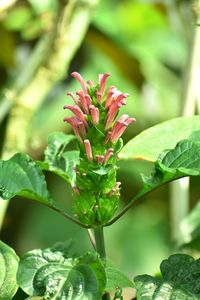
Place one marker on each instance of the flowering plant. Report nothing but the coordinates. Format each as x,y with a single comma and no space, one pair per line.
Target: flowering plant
57,272
96,191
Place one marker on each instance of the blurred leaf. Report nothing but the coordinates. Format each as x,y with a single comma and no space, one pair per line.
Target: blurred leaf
44,6
8,49
116,279
154,140
33,29
180,280
51,273
57,159
127,63
21,176
190,228
8,270
139,19
17,18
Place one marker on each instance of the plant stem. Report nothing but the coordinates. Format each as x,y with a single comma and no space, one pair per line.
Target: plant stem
99,240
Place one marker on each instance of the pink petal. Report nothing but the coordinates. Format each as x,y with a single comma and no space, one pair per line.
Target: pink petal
83,101
88,149
81,81
99,159
102,82
113,109
94,113
74,124
77,111
73,97
90,82
108,154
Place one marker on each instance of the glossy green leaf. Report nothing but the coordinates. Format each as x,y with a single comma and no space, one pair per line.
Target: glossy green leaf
151,142
21,176
51,273
182,161
180,280
116,279
57,159
8,270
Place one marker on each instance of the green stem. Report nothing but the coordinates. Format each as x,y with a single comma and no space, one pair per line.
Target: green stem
99,240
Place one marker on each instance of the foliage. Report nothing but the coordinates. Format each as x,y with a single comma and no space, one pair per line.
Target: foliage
180,280
144,46
9,264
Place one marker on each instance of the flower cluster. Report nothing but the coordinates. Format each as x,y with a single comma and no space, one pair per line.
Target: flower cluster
98,132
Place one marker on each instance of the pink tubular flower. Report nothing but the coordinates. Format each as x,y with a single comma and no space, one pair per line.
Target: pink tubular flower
83,101
99,159
88,149
102,82
113,109
77,111
91,83
94,113
109,99
119,127
73,97
74,122
108,154
80,79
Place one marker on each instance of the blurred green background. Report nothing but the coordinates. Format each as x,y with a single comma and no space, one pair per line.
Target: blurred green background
144,44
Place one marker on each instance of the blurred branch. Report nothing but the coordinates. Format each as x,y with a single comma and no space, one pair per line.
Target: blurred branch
179,198
5,4
63,41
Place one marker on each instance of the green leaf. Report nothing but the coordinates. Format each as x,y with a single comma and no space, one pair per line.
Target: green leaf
8,270
151,142
57,159
51,273
116,279
183,160
180,280
21,176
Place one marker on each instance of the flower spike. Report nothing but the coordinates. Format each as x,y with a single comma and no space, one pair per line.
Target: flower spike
96,126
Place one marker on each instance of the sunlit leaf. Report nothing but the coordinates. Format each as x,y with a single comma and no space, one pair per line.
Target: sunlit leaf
21,176
180,280
53,274
151,142
8,270
183,160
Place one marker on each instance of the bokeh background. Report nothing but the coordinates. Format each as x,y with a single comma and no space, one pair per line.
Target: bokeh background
146,45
